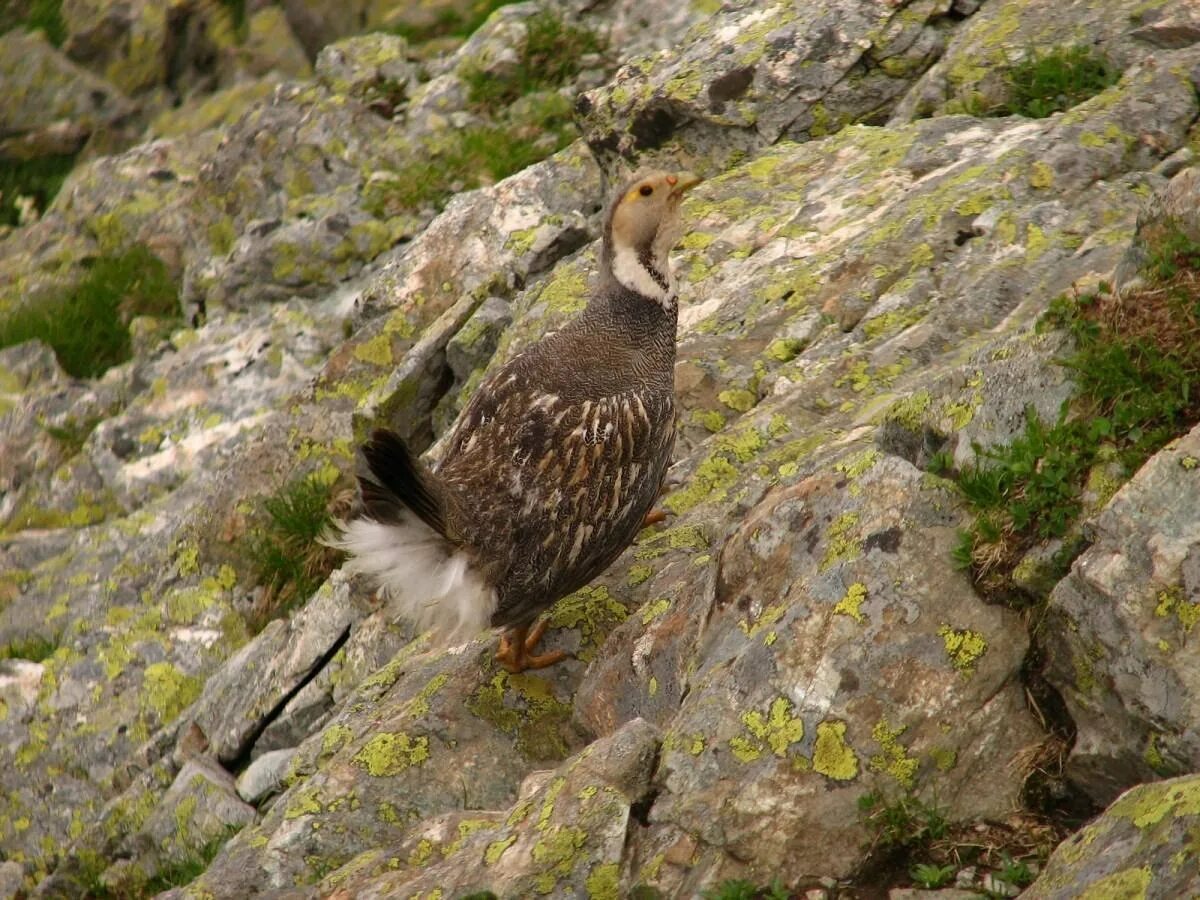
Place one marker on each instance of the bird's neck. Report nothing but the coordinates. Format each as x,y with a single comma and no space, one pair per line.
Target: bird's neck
645,272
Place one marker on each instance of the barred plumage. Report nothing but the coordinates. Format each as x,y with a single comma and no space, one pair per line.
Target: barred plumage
557,458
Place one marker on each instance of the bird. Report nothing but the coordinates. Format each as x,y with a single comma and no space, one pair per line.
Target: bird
555,462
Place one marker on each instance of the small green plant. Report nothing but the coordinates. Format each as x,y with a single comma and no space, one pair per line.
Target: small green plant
33,648
87,324
38,179
549,57
72,434
187,870
931,875
1046,83
1014,872
285,553
906,821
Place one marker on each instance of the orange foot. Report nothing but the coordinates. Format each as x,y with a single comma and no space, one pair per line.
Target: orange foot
517,645
654,517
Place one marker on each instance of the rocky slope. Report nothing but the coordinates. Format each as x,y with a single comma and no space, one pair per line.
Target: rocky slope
793,653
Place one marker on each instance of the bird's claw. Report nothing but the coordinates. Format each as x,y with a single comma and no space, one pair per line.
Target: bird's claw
515,653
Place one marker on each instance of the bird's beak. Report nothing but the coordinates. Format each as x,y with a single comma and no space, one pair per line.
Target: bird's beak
682,182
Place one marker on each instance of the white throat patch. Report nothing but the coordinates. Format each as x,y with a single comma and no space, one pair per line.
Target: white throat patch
630,273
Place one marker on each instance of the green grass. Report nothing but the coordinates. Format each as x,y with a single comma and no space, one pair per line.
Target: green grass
904,822
549,57
284,551
33,648
87,324
740,889
34,14
38,178
1046,83
1136,365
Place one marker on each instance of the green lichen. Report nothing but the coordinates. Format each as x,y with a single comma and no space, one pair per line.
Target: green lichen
1172,601
777,730
419,705
709,419
376,351
685,537
652,609
738,399
894,759
603,883
335,738
167,692
594,612
495,850
910,411
851,604
391,753
1147,805
944,758
859,464
557,853
639,573
1129,884
963,647
305,803
842,545
526,708
1041,176
832,756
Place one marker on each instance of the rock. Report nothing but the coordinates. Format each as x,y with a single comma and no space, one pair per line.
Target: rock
12,877
564,836
1172,210
755,73
201,808
239,702
52,105
373,69
271,46
1118,627
1141,846
265,775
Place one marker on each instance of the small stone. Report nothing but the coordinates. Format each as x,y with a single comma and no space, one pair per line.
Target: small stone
265,775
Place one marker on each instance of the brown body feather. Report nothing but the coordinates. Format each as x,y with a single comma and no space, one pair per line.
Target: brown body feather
562,452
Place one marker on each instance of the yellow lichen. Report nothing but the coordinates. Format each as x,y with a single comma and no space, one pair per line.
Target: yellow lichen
963,647
832,756
851,604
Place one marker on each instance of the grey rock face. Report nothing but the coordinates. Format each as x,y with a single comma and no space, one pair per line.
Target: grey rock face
793,637
1120,624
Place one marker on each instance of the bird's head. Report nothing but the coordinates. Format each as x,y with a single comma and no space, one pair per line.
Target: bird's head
640,230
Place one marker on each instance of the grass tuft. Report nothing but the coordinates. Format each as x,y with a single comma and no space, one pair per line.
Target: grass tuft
33,648
451,22
285,553
740,889
87,324
1050,82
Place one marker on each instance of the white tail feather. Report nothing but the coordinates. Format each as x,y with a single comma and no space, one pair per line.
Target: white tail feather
421,576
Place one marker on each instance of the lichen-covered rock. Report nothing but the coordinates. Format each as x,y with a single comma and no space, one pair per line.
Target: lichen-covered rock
199,808
1119,627
51,105
753,73
971,73
1173,211
373,69
1141,846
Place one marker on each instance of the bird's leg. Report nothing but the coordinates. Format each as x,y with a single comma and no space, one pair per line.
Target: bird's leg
516,646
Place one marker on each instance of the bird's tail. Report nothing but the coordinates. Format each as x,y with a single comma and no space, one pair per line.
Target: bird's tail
403,545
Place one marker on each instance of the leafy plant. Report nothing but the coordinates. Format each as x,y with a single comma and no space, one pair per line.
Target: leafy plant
1046,83
1015,872
87,324
285,553
931,875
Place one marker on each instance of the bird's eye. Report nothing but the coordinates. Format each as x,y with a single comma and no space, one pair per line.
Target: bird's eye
645,190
